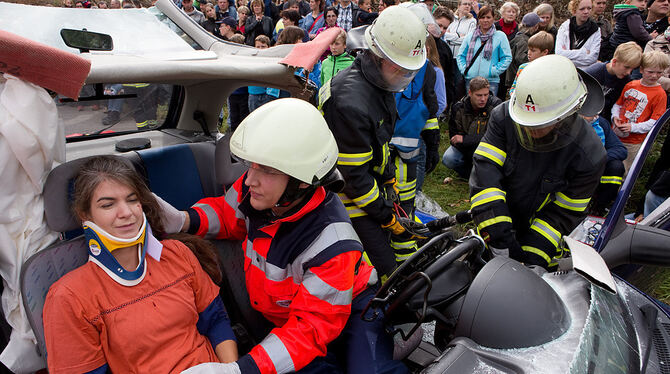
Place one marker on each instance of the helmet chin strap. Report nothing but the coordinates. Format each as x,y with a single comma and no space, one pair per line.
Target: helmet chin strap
332,181
293,192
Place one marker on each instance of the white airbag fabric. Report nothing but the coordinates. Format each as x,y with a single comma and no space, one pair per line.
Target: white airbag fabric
32,142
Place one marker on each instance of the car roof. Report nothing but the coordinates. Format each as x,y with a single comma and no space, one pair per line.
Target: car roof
159,44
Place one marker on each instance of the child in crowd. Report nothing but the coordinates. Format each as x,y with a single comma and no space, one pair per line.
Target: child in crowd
539,45
662,43
261,95
628,26
614,75
338,60
641,103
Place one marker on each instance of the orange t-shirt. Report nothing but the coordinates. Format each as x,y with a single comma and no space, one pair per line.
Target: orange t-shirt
640,103
90,320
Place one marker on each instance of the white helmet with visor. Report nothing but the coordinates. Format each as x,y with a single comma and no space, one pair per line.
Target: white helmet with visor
550,93
397,38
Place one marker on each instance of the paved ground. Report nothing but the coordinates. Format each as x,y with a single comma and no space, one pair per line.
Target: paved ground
88,121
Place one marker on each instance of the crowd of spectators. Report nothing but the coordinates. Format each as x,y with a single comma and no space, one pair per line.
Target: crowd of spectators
472,41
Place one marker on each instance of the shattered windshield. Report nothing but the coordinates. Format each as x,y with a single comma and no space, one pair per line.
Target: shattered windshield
608,343
140,32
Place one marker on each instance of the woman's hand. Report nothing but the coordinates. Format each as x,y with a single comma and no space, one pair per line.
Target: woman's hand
226,351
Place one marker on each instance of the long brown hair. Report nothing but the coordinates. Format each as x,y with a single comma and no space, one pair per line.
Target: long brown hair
433,56
101,168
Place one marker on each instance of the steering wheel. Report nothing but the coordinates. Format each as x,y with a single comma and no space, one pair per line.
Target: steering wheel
419,271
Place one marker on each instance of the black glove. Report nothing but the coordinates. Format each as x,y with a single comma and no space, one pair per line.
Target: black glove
432,160
432,140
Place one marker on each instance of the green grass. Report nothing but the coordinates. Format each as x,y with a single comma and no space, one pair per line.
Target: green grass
452,197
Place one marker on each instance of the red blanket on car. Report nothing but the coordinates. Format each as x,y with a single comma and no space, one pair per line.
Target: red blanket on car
40,64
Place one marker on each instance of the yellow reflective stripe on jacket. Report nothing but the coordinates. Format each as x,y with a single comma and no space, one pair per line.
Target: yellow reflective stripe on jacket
486,196
611,179
353,159
537,251
491,152
136,85
493,221
385,159
431,124
546,200
577,205
546,230
407,195
352,209
367,198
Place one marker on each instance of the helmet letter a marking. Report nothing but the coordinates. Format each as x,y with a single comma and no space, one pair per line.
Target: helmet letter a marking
529,99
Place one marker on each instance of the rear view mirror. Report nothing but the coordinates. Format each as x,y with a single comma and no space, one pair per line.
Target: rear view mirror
86,41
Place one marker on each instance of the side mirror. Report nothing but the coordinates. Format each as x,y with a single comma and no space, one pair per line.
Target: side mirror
86,41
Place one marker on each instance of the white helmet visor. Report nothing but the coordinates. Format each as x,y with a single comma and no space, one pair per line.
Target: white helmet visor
385,74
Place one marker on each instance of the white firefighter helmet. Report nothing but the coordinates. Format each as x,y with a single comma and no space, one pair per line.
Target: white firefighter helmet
289,135
398,35
396,43
549,94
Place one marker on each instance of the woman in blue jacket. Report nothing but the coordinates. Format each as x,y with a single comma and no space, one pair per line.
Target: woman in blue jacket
493,58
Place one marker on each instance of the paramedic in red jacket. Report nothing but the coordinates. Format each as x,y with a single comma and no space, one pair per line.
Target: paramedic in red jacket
303,263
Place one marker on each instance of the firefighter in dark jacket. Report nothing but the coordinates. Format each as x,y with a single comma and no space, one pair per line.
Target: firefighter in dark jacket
360,109
539,162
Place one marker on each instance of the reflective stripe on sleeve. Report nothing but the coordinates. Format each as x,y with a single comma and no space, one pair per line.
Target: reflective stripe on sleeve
491,152
431,124
317,287
369,197
379,169
543,228
493,221
486,196
611,179
577,205
407,195
353,159
278,354
352,209
403,245
231,200
536,251
213,224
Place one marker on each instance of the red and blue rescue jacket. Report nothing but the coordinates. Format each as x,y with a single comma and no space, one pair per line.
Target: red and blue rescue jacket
302,271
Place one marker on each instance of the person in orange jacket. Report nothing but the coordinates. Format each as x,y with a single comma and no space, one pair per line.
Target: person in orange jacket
303,265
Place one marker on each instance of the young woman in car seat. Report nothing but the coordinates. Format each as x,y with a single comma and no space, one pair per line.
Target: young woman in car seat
138,305
302,263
